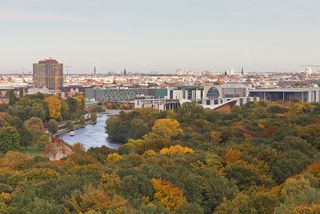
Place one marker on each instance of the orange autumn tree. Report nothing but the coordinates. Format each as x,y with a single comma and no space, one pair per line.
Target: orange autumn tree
305,209
168,195
313,169
54,106
232,155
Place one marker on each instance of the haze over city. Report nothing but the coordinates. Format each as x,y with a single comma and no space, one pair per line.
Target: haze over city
160,35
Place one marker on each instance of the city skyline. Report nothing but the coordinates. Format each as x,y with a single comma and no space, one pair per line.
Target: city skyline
159,35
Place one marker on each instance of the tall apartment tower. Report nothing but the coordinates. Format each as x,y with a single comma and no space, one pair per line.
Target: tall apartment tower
48,72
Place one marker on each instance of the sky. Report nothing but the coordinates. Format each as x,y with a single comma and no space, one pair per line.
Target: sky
160,35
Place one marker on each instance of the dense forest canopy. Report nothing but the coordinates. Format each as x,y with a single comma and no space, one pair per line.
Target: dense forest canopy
259,158
24,120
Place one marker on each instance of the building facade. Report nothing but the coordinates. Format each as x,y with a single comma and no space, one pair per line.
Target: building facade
101,94
194,92
48,72
287,94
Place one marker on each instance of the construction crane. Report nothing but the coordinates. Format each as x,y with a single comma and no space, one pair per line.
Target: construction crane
67,72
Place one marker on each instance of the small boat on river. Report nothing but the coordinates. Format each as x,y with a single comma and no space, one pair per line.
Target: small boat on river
72,133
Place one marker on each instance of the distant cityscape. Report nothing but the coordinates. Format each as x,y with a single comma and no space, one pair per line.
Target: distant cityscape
166,91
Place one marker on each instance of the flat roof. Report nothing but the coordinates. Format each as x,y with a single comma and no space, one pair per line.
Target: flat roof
283,89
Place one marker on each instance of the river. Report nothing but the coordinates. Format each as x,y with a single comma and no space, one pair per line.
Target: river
93,135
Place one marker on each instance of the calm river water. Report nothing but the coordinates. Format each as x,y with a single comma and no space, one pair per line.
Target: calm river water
91,136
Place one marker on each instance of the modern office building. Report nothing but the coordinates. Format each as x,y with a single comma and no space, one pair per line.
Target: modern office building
48,72
234,90
208,96
194,92
203,92
287,94
102,94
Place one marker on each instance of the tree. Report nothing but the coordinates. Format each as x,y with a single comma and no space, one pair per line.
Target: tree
233,155
165,128
11,95
42,140
54,106
168,195
96,200
215,136
25,137
189,112
114,157
80,101
98,108
304,107
69,125
297,193
72,107
175,150
110,182
65,111
82,120
53,126
9,139
93,117
34,125
247,175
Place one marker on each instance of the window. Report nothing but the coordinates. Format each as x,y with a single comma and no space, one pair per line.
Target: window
213,93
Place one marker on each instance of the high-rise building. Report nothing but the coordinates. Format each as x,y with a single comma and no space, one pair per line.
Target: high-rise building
48,72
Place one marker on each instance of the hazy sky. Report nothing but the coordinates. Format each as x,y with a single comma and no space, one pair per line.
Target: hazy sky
160,35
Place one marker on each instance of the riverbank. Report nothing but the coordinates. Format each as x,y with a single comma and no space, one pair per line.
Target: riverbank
92,135
108,112
63,131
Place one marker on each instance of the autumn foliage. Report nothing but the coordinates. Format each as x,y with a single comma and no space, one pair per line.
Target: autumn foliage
175,150
167,194
259,158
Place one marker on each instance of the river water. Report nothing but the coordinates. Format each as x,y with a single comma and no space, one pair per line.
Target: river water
93,135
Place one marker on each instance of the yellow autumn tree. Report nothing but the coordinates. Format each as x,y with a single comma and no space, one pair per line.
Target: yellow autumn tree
165,128
175,150
168,195
149,153
96,200
54,106
80,101
114,157
110,182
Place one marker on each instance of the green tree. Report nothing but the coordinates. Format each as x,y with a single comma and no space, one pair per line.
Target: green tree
69,125
53,126
34,125
9,139
11,95
189,112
